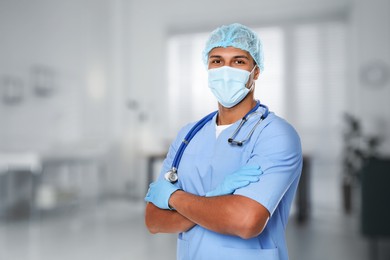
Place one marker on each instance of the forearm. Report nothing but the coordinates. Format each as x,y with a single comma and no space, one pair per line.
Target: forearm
165,221
230,214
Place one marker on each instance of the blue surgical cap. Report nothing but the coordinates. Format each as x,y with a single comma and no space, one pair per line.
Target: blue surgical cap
238,36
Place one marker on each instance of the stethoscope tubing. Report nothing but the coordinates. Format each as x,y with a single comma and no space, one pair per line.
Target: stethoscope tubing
188,138
243,121
201,123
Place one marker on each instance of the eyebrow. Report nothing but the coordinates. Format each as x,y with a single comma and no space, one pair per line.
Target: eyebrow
215,56
235,57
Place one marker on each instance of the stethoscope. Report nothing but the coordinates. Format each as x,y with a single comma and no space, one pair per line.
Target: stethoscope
172,175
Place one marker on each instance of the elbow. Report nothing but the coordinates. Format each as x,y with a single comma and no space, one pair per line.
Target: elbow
250,233
149,223
252,227
151,228
254,221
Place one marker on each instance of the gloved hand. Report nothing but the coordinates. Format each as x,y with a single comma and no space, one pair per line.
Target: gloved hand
238,179
159,193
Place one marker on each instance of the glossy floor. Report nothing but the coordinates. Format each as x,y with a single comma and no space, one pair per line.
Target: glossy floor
115,230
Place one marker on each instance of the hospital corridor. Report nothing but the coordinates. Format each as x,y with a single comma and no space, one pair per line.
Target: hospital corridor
96,94
115,230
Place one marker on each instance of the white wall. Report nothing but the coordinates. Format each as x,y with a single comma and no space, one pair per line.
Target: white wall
75,40
107,54
70,38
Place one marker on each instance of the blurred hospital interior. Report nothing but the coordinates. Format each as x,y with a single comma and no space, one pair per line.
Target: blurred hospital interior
92,92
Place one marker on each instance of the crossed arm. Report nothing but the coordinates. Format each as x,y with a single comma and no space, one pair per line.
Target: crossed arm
226,214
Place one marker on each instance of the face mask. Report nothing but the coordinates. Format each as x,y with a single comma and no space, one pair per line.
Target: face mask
229,84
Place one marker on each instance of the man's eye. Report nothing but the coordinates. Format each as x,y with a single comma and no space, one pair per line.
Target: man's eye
240,62
216,61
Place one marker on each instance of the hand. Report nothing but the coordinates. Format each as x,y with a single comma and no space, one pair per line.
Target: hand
236,180
159,193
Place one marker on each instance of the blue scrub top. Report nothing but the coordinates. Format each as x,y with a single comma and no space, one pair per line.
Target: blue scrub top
274,146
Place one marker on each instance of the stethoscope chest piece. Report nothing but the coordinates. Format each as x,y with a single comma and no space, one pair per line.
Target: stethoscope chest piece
171,175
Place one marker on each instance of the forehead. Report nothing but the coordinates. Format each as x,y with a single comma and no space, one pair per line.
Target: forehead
229,52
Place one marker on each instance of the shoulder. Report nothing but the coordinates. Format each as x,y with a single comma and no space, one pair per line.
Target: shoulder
206,120
278,126
184,130
279,134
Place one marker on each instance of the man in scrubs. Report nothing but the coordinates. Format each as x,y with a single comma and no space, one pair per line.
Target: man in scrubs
230,201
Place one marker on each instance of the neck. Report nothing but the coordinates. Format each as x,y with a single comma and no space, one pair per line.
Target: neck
227,116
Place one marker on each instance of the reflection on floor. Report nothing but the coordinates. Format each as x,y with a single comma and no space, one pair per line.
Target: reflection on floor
115,230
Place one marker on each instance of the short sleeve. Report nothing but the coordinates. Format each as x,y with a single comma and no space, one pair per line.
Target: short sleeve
278,152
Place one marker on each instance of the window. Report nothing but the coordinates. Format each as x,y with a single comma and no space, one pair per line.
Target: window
318,79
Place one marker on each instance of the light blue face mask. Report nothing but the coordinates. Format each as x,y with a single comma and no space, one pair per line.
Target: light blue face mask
229,84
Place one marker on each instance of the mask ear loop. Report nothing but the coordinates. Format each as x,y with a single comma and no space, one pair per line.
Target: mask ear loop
253,81
253,69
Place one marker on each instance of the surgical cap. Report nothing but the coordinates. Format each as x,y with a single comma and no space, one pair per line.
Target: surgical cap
238,36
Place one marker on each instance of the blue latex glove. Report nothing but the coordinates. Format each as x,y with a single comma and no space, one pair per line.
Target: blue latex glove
241,178
159,193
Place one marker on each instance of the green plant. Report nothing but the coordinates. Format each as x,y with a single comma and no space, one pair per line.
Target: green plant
358,148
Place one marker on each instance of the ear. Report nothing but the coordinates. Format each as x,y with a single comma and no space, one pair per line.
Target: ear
256,73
